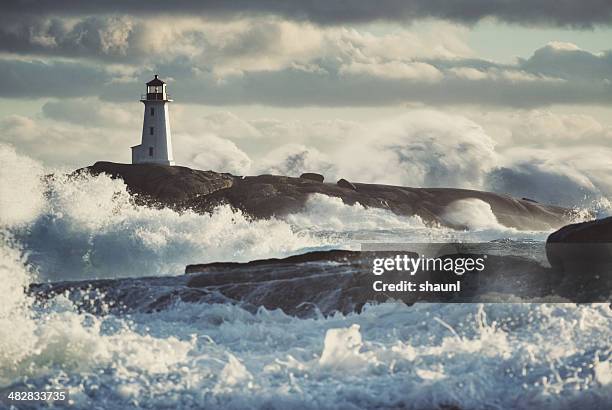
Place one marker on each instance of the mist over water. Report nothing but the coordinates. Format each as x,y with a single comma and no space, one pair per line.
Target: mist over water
222,356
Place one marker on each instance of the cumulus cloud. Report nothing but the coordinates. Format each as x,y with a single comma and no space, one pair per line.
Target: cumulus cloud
213,62
581,14
469,73
267,54
501,75
251,60
242,43
568,61
106,37
413,71
330,80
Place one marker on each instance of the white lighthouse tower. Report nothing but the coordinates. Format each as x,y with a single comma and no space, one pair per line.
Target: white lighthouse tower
156,145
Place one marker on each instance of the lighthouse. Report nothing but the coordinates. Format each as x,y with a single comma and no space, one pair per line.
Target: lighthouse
156,143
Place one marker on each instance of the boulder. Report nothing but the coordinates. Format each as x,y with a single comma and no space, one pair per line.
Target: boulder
343,183
312,176
598,230
584,248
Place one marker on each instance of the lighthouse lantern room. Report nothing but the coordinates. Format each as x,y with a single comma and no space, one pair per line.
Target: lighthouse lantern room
156,143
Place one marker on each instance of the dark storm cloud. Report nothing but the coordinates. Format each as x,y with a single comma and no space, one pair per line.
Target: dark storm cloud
126,39
577,13
296,88
556,73
293,87
107,37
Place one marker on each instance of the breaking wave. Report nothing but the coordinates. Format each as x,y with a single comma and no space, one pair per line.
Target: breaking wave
389,356
222,356
88,227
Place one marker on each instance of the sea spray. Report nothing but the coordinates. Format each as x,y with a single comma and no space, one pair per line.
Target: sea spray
21,188
474,214
87,227
325,213
350,225
16,324
189,355
39,342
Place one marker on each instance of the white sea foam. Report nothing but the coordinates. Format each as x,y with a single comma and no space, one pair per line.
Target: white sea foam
16,326
348,226
88,227
472,213
21,191
221,356
111,237
351,225
600,208
389,356
325,213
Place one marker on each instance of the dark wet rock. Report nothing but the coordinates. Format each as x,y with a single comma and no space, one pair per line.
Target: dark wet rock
334,255
266,196
343,183
321,282
313,176
584,248
166,184
596,231
342,281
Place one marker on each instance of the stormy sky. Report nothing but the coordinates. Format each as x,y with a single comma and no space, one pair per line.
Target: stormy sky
505,95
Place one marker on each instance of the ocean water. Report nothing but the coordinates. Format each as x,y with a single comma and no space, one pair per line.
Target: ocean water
199,355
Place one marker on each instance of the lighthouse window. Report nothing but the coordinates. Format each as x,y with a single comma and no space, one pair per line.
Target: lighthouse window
151,129
150,151
152,111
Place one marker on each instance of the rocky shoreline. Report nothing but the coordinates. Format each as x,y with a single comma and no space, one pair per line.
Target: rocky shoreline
323,282
265,196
